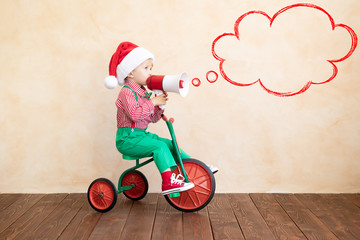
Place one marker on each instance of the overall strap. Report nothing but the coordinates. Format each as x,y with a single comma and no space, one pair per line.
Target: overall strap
132,123
133,92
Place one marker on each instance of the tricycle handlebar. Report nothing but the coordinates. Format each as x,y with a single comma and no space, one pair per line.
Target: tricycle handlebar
166,119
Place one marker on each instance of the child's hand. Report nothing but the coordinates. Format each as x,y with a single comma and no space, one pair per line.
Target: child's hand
160,100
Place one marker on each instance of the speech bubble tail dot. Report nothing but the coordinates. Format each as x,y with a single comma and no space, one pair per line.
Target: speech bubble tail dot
212,76
196,82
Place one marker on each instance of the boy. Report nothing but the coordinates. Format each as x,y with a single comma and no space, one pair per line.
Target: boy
130,66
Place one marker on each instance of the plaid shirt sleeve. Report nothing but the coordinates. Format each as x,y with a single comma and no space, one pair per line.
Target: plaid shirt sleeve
157,114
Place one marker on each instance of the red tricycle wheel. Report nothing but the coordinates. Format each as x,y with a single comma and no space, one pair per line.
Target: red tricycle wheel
200,195
140,183
102,195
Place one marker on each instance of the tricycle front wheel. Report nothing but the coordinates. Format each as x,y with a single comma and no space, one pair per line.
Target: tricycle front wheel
199,196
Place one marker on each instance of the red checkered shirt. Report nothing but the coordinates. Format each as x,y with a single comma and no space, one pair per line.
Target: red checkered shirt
132,113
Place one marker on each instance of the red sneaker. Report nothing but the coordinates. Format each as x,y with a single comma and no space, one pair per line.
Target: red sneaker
176,185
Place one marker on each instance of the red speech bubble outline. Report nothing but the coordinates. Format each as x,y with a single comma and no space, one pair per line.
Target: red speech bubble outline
353,35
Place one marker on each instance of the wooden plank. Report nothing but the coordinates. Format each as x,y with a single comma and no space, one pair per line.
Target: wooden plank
17,209
28,222
309,224
56,222
141,218
354,198
341,203
276,218
168,221
223,221
249,218
197,225
8,199
111,224
82,224
336,212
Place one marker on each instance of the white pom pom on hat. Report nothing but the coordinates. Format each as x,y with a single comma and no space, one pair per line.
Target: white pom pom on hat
126,58
111,82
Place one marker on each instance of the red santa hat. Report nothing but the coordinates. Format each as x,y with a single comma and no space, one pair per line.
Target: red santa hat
126,58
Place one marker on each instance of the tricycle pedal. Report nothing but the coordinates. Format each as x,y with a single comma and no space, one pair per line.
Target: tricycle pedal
174,195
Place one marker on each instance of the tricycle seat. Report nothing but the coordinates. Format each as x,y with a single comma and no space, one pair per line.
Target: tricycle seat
126,157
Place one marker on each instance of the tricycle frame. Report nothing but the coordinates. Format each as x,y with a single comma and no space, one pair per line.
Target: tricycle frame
102,193
178,158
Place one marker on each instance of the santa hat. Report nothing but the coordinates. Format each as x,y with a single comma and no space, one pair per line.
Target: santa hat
126,58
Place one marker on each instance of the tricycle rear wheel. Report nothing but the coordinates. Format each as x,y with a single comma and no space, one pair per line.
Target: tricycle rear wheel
139,182
102,195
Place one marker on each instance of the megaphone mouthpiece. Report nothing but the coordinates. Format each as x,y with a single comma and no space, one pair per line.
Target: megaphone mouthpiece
181,84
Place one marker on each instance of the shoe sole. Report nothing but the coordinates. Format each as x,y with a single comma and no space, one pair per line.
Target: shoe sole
181,189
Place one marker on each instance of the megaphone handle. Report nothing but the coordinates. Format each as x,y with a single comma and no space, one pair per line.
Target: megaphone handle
158,93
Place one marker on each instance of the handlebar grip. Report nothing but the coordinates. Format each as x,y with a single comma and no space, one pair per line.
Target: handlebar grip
166,119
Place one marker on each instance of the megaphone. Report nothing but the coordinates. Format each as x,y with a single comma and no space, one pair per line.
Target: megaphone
169,83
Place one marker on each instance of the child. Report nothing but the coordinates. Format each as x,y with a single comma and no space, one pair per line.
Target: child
131,65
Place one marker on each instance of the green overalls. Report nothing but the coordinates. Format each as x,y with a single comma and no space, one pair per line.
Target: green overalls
138,143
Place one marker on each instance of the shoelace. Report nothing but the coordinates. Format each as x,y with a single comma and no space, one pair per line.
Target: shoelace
176,180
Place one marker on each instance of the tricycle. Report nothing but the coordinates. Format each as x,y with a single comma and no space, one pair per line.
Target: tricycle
102,193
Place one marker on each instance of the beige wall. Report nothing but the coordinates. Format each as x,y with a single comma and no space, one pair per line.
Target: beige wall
57,120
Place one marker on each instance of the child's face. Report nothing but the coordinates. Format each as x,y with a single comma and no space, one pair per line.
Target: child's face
141,73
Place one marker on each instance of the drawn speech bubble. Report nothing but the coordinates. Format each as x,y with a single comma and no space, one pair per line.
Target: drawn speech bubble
297,40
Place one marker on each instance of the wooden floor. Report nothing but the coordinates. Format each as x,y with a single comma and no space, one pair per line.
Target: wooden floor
228,216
